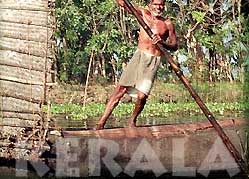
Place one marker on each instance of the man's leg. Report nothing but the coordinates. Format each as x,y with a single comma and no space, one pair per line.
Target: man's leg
112,103
139,106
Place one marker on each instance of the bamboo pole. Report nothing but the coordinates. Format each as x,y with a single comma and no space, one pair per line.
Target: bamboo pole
231,148
87,78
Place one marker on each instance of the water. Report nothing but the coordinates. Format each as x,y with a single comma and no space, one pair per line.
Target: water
65,122
183,118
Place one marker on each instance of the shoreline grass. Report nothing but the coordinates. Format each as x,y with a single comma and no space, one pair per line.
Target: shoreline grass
152,109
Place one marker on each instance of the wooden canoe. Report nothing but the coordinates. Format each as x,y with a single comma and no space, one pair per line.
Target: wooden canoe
157,131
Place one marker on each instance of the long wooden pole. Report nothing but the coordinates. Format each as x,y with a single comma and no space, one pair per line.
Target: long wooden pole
236,155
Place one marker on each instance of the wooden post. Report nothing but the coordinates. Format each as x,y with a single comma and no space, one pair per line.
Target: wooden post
236,155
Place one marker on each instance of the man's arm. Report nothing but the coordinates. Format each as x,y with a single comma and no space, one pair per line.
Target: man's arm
121,3
171,43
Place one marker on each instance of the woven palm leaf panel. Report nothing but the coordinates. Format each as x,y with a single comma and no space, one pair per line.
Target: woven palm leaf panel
26,62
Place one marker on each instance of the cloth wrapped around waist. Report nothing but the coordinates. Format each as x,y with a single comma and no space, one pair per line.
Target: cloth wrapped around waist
140,72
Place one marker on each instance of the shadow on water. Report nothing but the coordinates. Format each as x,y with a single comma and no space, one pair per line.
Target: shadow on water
8,171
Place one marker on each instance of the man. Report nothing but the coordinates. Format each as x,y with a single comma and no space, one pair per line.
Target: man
137,78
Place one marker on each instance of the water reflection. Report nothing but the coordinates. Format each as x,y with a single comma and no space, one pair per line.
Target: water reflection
63,121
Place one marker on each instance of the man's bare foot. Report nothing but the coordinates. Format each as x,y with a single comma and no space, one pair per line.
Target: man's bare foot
99,127
131,125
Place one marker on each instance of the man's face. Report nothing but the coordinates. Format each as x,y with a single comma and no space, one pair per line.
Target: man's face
156,7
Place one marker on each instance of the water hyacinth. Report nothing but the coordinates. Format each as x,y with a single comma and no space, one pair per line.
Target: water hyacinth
152,109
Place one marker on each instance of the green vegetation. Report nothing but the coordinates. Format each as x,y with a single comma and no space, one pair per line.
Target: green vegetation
98,37
161,92
89,29
219,92
165,99
92,110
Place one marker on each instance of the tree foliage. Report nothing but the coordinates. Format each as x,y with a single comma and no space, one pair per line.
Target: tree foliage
212,35
92,29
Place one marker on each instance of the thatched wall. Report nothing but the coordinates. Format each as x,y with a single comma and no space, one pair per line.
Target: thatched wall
26,63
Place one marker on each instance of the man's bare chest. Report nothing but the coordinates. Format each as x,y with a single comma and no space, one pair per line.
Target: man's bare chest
157,26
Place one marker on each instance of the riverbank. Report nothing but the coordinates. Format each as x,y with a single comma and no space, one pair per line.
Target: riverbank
161,92
168,103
